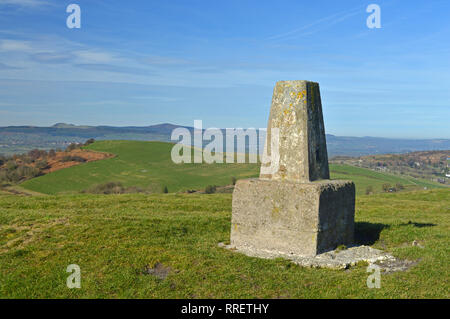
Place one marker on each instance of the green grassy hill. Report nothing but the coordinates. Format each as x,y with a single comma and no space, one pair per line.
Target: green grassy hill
148,165
365,177
142,164
118,241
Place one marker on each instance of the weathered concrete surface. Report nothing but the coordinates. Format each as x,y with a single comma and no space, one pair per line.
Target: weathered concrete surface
293,208
292,218
342,259
297,113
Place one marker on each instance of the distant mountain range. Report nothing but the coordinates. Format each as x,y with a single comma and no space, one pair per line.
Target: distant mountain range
19,139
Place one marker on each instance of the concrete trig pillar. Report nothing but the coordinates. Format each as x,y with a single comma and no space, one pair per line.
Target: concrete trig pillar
293,208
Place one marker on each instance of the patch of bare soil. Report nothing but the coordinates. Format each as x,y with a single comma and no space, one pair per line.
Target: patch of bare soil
219,189
393,265
159,271
12,191
58,162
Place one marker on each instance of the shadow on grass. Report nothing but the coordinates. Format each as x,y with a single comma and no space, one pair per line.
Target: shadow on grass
420,225
368,233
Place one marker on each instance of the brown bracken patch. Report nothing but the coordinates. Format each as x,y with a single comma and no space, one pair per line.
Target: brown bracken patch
57,162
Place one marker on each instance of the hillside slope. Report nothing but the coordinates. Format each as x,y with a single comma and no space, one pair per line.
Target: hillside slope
148,165
142,164
364,178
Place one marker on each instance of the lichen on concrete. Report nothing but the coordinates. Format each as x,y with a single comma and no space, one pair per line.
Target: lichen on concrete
297,112
294,210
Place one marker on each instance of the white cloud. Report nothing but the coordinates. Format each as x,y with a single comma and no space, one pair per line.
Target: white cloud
317,25
53,57
14,45
24,3
88,56
4,66
161,60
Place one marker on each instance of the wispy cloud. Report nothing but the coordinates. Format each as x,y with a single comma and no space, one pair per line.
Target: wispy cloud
8,67
114,68
159,98
207,70
24,3
15,45
94,56
164,61
52,57
317,25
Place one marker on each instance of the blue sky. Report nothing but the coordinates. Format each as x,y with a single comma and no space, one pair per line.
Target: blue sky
148,62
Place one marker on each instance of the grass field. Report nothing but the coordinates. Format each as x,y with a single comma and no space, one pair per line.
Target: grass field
115,239
142,164
148,165
363,178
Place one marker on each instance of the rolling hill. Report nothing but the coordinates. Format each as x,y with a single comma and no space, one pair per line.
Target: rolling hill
148,165
142,164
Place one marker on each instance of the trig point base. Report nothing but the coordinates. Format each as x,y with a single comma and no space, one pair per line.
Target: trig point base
293,208
292,218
